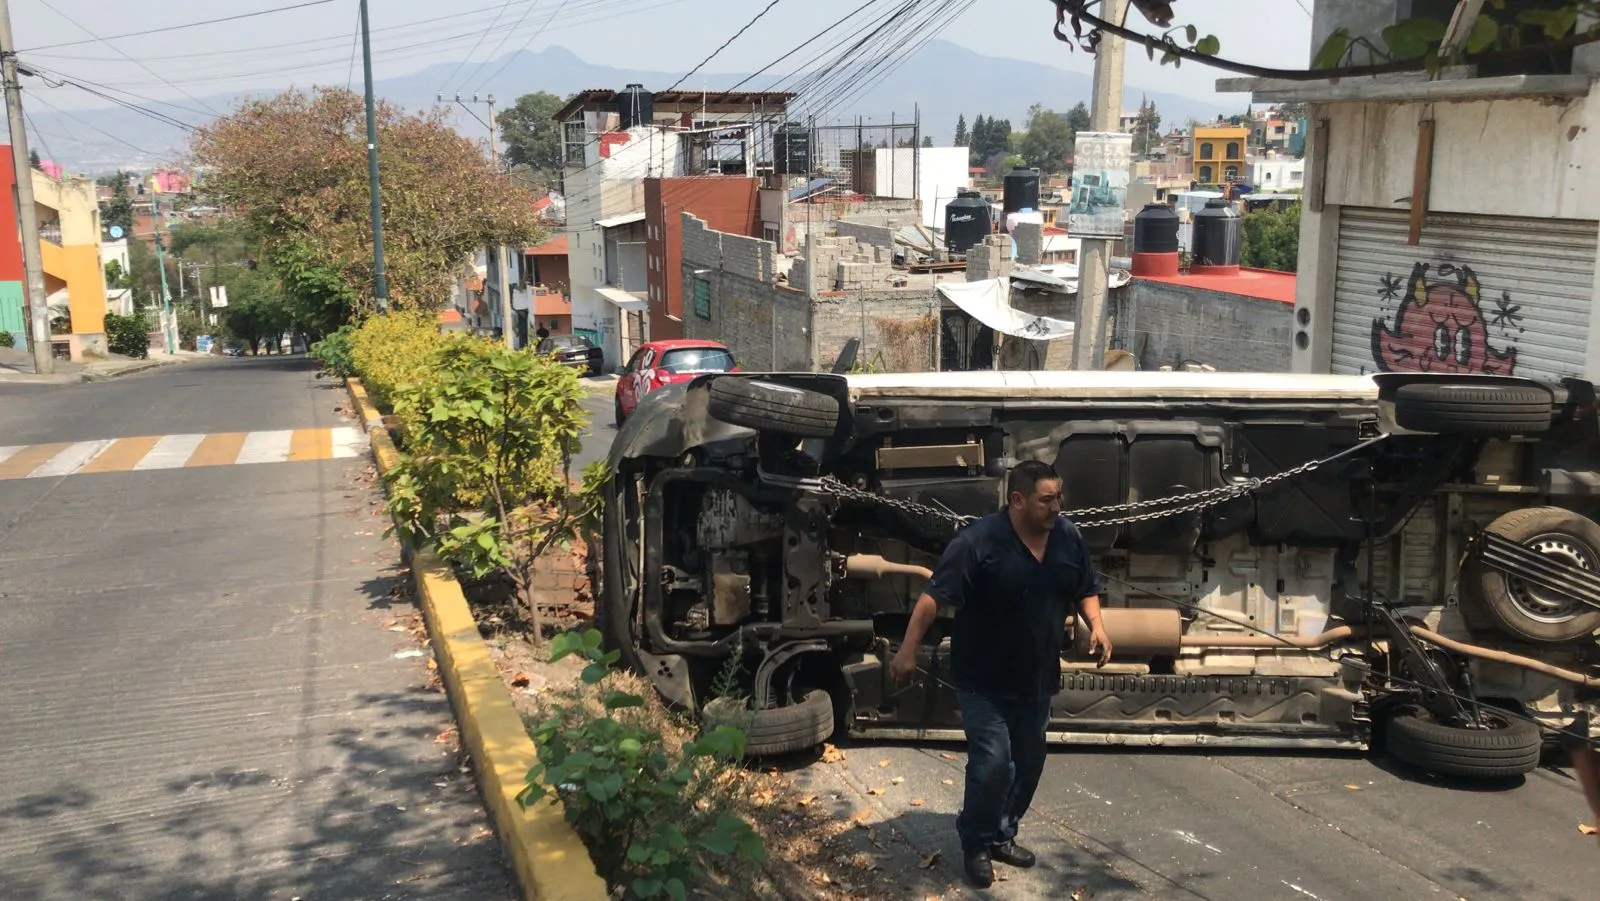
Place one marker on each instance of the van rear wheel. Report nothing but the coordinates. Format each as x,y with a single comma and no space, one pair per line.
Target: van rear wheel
1505,748
777,730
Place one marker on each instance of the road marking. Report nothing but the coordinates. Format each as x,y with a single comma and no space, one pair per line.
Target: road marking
171,452
220,449
27,459
70,460
152,452
121,455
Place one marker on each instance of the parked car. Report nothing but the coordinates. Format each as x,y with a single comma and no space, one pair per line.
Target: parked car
1275,551
573,350
659,363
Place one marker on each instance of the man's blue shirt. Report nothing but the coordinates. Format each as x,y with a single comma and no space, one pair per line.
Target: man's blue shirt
1011,609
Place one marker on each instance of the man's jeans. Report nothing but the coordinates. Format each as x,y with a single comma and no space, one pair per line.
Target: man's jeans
1005,756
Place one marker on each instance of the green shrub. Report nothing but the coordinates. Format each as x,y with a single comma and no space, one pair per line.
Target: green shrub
392,350
486,473
126,335
634,800
333,352
6,339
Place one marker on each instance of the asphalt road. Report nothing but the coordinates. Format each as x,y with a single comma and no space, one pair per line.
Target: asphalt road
202,694
1220,826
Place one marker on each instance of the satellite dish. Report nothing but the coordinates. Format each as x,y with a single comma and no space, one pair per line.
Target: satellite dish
116,231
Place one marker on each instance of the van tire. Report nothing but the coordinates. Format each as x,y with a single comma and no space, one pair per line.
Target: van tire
1510,748
1468,409
1573,539
770,407
778,730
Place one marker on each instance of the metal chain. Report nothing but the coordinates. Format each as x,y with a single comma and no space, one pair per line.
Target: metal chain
1087,517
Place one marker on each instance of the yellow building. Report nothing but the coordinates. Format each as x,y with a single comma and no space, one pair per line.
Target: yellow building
1219,153
69,248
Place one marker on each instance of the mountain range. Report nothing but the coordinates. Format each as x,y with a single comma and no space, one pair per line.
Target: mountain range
943,79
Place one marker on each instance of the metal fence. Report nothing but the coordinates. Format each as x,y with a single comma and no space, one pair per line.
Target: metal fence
848,155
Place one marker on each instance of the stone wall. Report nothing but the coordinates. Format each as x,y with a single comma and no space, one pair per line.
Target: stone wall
1168,324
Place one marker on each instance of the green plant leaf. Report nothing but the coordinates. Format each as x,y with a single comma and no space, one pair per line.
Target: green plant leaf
1409,38
646,888
1209,45
618,700
592,638
1332,50
1190,32
1484,32
675,889
638,852
719,842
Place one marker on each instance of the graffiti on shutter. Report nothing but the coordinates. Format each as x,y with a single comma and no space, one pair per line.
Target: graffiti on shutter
1439,324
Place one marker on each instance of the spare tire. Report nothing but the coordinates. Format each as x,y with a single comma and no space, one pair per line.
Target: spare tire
1473,409
770,407
778,730
1509,747
1519,609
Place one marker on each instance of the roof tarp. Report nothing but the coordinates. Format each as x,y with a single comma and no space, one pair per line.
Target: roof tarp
989,302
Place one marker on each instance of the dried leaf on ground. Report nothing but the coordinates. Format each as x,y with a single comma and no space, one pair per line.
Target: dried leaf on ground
897,780
520,680
1082,893
948,756
916,802
874,791
807,802
831,754
1586,829
1354,788
883,762
948,781
930,860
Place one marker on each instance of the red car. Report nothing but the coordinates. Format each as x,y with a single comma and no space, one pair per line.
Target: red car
658,363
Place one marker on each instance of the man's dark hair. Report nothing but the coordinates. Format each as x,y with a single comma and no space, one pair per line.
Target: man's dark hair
1026,476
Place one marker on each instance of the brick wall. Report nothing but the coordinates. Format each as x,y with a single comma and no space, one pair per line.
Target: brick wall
838,317
705,248
763,324
1168,324
866,234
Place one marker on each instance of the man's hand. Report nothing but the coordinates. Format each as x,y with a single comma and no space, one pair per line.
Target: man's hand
904,664
1099,642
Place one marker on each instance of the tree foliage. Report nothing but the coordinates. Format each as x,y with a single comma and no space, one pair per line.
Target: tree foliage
126,335
1147,128
1078,118
1048,141
990,135
1272,238
531,137
295,167
961,130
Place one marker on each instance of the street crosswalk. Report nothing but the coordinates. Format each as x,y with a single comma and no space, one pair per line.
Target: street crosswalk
42,461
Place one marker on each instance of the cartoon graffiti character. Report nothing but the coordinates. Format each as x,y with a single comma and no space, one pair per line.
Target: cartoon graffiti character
1439,327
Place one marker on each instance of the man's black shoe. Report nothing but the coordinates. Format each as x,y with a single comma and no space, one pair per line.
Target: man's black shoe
1013,854
979,869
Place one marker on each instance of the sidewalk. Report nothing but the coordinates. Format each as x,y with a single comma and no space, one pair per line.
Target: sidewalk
17,366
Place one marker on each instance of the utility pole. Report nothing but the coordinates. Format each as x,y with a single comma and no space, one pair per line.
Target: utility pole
507,315
380,279
1094,271
44,361
161,264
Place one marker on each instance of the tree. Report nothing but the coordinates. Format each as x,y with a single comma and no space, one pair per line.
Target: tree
1271,238
33,159
531,137
927,140
1078,118
1048,141
118,211
1147,128
295,167
961,130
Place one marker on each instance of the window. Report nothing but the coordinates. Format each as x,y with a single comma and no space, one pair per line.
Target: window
573,141
696,359
1233,150
1206,150
1297,176
702,298
1204,175
1231,173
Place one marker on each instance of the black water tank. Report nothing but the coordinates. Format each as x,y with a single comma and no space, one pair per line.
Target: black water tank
1021,190
1155,229
634,106
1217,235
791,149
966,221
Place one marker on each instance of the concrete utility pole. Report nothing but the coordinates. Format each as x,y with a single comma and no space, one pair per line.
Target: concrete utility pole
380,279
167,325
507,315
1094,269
44,361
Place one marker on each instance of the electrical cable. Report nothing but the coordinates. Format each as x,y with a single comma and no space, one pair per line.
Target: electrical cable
135,34
35,129
525,45
50,6
476,44
44,73
355,43
689,74
60,112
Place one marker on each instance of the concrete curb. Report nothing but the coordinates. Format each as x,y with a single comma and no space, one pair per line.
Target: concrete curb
89,376
547,856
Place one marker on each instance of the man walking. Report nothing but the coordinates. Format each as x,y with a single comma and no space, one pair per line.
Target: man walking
1012,577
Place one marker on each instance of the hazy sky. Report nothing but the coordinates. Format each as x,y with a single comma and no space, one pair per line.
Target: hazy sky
314,44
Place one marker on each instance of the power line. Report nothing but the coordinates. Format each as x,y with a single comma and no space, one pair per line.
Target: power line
48,5
355,42
525,45
736,34
479,43
135,34
61,112
45,73
42,142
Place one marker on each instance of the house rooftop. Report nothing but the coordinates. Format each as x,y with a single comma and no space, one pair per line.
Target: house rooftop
1261,284
555,247
709,101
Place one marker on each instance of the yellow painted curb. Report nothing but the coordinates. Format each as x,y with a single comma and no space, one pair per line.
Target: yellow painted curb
547,856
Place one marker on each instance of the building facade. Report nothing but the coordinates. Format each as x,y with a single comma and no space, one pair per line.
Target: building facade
1220,153
724,203
68,212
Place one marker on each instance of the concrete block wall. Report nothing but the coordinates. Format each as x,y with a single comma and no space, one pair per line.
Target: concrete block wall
837,319
741,255
990,259
1030,243
764,325
1167,324
843,264
867,234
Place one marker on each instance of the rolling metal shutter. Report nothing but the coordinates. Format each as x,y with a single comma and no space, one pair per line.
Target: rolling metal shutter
1499,295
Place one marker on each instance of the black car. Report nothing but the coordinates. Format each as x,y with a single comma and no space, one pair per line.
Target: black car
573,350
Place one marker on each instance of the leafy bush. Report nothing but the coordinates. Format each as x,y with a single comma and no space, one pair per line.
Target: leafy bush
633,800
6,339
1271,239
126,335
392,350
495,429
333,352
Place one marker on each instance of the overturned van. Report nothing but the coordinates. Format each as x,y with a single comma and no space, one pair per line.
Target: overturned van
1289,560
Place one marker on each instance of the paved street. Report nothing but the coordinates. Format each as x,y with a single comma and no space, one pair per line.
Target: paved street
203,698
1223,826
